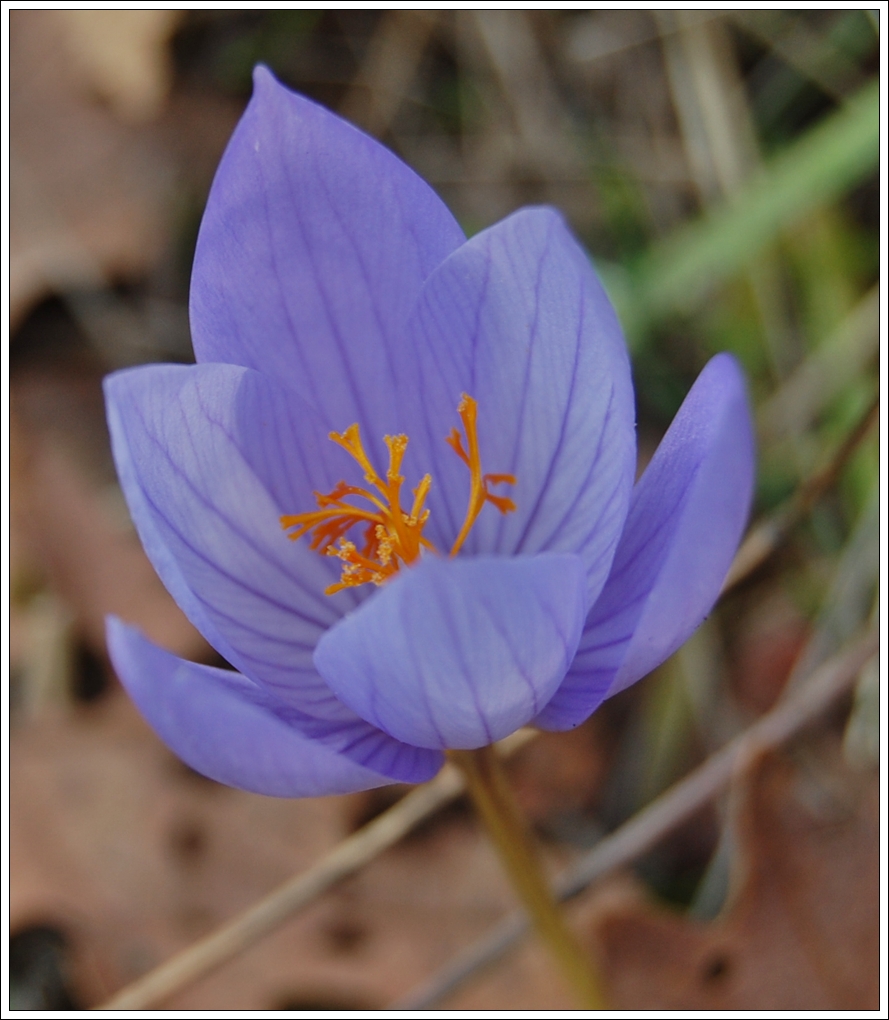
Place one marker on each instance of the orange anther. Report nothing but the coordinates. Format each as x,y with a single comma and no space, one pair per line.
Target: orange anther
392,536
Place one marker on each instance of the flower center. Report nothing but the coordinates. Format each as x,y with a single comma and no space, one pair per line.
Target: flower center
392,535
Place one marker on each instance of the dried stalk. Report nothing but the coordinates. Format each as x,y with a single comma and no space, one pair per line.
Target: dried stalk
394,55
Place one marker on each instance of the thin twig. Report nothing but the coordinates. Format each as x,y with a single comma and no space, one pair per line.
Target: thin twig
764,538
263,917
664,813
245,929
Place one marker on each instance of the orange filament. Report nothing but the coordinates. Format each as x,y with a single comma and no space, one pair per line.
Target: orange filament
392,536
478,487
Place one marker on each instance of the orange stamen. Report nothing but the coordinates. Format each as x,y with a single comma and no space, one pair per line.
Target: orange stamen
392,536
478,483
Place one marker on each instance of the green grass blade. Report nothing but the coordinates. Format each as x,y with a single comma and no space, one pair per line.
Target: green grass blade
676,273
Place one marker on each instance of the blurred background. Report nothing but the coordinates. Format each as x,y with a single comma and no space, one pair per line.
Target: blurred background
721,168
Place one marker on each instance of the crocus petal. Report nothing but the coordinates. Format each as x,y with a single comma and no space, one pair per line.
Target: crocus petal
209,456
226,727
312,251
459,653
517,319
686,519
188,443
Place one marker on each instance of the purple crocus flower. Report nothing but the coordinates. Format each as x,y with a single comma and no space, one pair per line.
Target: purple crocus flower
333,289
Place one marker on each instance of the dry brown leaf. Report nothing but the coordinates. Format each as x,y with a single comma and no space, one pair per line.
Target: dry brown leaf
78,536
801,930
558,776
88,194
769,637
125,55
130,855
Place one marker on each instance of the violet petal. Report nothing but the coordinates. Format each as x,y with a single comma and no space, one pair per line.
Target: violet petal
686,519
313,247
517,319
226,727
206,456
458,653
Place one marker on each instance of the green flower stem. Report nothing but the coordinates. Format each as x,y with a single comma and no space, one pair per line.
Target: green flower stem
512,837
